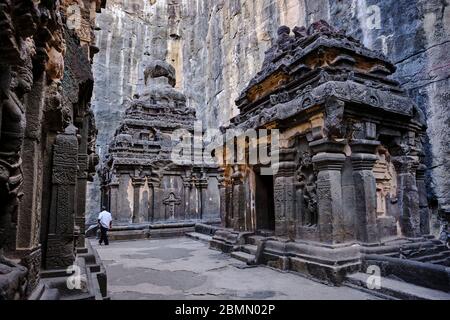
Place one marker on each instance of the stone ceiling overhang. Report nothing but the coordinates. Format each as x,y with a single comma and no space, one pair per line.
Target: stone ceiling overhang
347,91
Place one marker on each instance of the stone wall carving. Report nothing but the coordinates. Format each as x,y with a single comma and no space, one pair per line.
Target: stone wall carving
45,88
386,178
307,183
332,100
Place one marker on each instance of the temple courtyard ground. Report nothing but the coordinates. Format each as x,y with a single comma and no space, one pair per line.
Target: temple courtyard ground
183,268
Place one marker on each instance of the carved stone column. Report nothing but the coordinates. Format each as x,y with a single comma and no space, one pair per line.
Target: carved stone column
363,160
224,201
237,179
158,206
203,187
28,247
151,200
60,245
82,178
329,160
80,208
185,198
423,201
138,183
284,193
408,195
114,198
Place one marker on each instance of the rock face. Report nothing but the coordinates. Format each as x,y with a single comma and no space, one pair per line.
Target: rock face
216,47
141,180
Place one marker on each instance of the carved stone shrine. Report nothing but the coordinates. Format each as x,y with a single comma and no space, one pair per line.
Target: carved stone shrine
141,184
350,176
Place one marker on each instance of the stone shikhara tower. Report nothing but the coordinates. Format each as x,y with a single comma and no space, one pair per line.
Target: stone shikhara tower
141,183
350,175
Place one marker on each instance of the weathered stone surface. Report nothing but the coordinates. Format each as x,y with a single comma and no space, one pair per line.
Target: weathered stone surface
349,168
141,181
217,46
45,91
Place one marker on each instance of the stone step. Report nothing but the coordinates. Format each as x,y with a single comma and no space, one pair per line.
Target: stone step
266,233
50,294
397,289
127,235
253,240
249,248
434,256
426,252
442,262
199,236
245,257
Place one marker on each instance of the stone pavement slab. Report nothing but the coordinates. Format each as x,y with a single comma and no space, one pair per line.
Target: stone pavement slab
184,268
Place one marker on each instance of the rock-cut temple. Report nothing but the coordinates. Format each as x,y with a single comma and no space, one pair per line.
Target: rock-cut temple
347,190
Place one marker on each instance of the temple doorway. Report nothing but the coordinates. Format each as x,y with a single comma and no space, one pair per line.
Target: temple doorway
264,204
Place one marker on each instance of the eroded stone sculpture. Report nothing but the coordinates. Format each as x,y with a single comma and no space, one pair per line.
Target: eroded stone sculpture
47,135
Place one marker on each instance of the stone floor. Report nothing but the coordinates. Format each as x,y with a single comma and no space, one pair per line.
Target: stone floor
186,269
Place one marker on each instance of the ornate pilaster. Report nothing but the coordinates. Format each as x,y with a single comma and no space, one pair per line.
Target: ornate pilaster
80,208
284,193
406,167
60,245
363,160
158,209
224,182
202,185
237,180
114,197
186,195
329,160
151,201
137,183
423,201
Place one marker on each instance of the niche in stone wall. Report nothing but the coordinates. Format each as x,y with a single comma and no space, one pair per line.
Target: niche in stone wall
306,185
386,181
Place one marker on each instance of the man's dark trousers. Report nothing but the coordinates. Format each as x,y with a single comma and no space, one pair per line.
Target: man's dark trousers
104,235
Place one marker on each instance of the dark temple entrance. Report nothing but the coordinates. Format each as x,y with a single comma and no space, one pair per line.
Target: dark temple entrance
265,210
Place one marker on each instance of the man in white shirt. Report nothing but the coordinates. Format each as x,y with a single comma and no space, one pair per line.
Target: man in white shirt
105,223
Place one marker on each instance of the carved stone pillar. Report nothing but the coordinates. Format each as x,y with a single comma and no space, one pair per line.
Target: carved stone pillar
423,201
408,195
203,187
158,206
60,244
82,178
329,160
80,212
114,199
28,247
363,160
138,183
151,200
237,179
223,182
284,194
185,197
